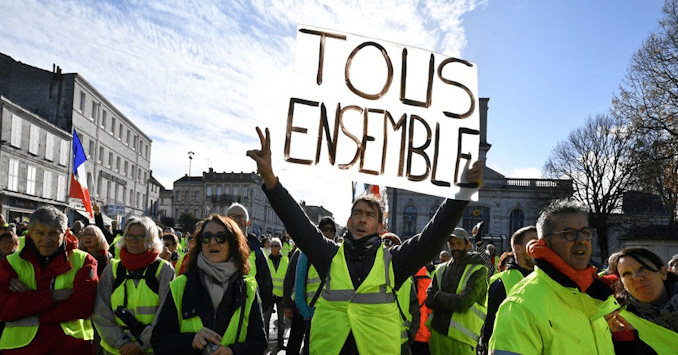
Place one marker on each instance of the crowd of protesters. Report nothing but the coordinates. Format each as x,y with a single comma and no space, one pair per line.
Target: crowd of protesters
148,289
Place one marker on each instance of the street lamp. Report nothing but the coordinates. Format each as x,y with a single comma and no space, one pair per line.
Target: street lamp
190,159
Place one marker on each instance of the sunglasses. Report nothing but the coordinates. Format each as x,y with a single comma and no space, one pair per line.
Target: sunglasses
219,237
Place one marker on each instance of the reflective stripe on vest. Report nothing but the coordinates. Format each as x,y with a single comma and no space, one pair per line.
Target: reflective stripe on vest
312,283
20,333
466,326
278,276
142,302
236,332
369,312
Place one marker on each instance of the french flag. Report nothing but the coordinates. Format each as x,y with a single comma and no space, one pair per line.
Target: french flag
79,175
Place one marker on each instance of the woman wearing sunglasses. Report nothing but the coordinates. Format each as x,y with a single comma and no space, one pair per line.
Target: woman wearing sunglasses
650,295
131,290
213,308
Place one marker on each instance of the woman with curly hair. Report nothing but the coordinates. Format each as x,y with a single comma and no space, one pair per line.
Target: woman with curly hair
213,304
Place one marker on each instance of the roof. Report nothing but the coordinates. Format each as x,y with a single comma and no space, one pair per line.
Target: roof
653,232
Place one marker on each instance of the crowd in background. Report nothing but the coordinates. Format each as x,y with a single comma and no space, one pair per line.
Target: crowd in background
218,289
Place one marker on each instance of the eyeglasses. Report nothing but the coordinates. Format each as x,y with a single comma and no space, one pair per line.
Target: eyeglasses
237,217
138,238
328,229
572,235
219,237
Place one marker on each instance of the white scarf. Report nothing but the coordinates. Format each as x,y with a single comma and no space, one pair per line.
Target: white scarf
215,277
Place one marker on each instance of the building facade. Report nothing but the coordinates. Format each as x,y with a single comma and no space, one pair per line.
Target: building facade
214,192
165,203
504,204
118,151
34,160
153,188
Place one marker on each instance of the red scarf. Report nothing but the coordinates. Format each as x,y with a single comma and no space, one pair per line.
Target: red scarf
583,278
133,262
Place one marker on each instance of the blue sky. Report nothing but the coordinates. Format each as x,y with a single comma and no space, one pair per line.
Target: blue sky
199,75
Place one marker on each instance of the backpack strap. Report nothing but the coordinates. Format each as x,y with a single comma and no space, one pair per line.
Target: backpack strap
317,292
122,275
149,276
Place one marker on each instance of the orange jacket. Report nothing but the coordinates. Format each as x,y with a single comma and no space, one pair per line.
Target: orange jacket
422,282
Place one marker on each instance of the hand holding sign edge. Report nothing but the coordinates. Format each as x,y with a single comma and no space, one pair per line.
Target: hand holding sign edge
474,176
263,159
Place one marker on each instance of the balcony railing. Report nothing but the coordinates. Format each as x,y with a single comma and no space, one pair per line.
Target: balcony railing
539,183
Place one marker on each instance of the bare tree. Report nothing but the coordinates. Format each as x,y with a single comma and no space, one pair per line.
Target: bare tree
596,158
648,97
656,168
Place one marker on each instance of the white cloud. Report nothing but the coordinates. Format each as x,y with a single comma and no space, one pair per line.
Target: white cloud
200,76
526,173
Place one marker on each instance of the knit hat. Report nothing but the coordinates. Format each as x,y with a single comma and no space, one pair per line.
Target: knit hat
326,220
460,233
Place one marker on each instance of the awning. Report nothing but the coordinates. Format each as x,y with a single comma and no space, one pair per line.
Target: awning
85,214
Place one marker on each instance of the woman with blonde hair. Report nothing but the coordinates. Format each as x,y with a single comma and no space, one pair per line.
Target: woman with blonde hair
213,306
131,290
93,241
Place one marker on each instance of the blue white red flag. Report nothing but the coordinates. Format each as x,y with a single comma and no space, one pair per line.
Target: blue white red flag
79,175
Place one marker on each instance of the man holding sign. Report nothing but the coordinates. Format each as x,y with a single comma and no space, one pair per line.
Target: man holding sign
356,312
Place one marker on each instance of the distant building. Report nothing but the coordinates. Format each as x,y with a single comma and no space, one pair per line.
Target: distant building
35,160
642,222
214,192
165,204
504,204
118,151
153,189
315,213
661,239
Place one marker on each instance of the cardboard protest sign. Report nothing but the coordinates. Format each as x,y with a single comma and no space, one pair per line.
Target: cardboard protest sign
370,110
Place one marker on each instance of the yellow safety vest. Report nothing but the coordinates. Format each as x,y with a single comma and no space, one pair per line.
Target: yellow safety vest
142,302
22,243
116,254
404,294
509,278
20,333
664,341
253,265
236,332
278,276
312,283
545,317
369,312
285,249
465,326
177,266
